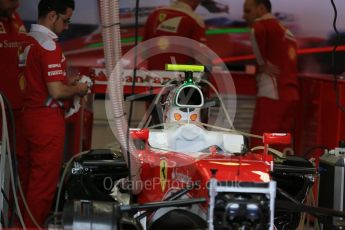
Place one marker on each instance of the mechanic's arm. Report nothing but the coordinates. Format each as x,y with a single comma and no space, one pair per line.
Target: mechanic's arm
58,90
73,80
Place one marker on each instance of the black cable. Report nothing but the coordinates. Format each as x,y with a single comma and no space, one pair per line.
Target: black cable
132,92
334,52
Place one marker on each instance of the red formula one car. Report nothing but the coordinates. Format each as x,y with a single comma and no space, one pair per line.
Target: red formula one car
193,176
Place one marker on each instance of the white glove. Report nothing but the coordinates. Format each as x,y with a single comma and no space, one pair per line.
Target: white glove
88,81
76,100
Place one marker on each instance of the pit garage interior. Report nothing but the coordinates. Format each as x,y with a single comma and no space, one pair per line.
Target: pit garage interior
194,175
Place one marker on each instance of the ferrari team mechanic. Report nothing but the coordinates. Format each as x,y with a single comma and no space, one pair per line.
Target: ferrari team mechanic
277,90
46,87
12,35
178,19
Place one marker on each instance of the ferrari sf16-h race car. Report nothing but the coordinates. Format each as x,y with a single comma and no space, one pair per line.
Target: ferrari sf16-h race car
193,176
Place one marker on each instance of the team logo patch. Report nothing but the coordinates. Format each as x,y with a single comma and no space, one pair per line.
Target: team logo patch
55,73
171,25
163,174
2,28
22,29
162,16
292,53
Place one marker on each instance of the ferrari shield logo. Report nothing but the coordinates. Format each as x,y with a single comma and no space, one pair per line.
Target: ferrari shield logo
163,173
292,53
22,83
162,16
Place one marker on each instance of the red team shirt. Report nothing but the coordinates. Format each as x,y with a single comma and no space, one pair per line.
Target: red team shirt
274,43
45,63
43,122
11,37
277,95
176,20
